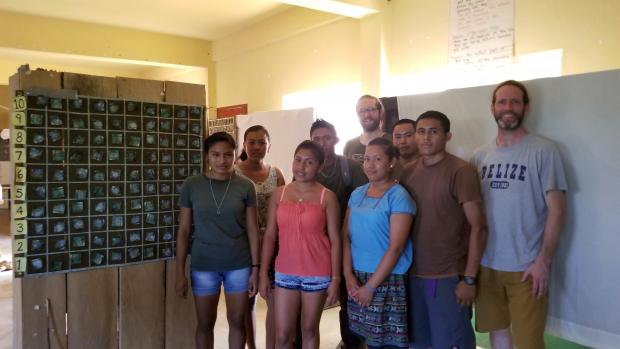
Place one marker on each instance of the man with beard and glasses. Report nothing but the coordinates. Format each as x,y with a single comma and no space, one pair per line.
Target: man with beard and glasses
523,187
371,115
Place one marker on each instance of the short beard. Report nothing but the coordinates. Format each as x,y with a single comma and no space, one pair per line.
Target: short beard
371,128
508,126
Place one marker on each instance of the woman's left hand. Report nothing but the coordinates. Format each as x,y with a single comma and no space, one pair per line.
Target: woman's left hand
332,292
253,284
364,296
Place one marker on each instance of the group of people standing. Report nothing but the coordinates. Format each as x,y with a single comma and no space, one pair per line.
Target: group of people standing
406,236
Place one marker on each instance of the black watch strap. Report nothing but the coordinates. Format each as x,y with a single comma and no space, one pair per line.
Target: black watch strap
469,280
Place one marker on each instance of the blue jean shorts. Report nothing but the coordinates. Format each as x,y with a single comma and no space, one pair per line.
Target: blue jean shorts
207,283
303,283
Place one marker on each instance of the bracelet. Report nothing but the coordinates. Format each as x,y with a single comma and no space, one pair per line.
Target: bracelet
335,278
370,288
256,265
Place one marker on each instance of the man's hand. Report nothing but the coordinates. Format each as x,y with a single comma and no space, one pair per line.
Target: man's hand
465,294
539,272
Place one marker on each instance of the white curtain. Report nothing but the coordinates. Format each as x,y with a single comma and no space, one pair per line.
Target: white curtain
287,129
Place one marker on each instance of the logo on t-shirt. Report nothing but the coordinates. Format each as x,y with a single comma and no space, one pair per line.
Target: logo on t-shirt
500,175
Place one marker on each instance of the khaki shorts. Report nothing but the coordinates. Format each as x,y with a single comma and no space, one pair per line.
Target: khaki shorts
505,302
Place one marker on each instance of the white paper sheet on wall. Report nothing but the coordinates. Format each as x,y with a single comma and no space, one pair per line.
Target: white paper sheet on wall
481,33
287,129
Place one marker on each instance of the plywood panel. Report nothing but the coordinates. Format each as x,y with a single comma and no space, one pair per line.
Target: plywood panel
92,306
184,93
43,312
90,85
142,297
140,89
32,318
180,313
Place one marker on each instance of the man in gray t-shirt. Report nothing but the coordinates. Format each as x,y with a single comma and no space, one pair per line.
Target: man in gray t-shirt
523,187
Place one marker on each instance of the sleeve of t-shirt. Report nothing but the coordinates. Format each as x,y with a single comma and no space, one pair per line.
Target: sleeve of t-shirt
185,199
552,173
401,202
358,177
466,185
251,197
355,196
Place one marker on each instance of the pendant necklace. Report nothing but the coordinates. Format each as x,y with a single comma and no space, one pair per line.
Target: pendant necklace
219,206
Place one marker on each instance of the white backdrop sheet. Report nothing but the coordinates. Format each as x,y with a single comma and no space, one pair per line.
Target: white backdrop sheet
287,128
582,114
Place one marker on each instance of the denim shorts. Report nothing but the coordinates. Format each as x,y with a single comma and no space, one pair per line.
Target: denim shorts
207,283
302,283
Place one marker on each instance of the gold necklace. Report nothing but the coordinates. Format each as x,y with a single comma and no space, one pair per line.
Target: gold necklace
219,206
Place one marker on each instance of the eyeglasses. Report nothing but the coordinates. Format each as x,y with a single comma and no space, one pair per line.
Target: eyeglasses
367,110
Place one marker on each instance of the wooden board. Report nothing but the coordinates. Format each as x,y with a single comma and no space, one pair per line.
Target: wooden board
140,89
43,313
142,287
92,307
89,85
180,313
30,294
142,297
184,93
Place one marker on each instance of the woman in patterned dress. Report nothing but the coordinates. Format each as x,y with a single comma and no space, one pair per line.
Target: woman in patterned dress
377,251
266,178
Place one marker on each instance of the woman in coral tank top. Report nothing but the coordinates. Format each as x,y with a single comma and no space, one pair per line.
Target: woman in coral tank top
304,217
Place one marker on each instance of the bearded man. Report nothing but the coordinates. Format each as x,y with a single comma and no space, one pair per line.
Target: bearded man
523,187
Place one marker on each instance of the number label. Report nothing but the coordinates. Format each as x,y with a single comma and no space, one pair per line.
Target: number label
20,211
20,174
19,118
20,227
19,136
19,103
19,246
19,192
19,155
20,264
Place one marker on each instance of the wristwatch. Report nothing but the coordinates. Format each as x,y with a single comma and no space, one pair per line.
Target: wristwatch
469,280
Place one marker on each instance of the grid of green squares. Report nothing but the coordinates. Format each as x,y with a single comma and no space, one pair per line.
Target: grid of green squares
103,178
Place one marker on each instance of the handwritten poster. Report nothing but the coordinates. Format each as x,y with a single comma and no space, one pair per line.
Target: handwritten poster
481,32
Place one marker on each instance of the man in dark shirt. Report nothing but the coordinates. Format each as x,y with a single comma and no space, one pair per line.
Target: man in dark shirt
342,176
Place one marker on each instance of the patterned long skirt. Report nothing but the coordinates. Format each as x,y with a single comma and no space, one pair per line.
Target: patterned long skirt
384,322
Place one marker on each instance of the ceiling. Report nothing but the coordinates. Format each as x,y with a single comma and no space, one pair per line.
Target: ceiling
204,19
